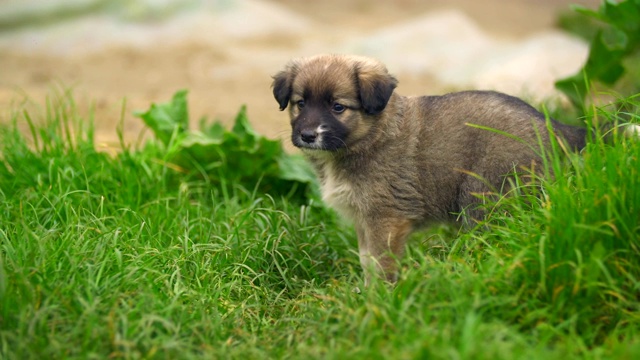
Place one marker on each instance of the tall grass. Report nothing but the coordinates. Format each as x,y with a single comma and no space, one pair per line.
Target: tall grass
122,257
572,247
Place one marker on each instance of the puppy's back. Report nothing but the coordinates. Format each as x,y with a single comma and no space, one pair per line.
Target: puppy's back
451,148
508,114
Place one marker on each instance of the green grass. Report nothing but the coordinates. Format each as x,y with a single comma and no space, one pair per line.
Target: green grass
123,257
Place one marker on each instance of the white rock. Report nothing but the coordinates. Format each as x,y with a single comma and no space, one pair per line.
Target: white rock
451,47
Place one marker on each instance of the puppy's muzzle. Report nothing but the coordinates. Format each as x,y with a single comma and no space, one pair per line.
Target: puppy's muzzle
308,136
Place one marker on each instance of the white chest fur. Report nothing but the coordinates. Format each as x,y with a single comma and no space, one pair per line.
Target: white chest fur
338,193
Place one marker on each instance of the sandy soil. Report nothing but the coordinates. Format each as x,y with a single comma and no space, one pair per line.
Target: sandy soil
152,74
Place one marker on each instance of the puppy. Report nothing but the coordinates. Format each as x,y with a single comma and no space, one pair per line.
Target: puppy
392,163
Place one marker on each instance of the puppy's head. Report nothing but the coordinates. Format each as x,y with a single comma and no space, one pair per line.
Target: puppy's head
334,100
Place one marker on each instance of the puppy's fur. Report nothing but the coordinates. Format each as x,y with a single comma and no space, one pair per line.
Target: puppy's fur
392,163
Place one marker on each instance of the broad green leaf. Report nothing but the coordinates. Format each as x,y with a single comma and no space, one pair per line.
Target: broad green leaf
614,38
295,167
618,39
216,130
623,14
243,129
240,156
167,118
588,12
604,64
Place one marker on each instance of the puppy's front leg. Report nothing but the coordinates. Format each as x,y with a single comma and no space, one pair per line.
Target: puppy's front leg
381,244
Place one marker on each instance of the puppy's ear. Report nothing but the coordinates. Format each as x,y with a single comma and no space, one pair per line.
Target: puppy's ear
282,86
376,86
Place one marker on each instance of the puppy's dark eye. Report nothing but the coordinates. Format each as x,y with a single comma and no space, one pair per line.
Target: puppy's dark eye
338,108
300,104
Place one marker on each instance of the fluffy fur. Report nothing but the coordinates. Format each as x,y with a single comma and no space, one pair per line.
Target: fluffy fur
393,163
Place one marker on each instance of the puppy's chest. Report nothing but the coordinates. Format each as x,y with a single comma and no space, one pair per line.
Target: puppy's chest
339,193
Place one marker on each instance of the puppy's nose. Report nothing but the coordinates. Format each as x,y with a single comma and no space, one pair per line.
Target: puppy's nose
308,136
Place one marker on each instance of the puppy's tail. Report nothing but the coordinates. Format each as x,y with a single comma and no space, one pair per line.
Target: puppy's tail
616,130
577,137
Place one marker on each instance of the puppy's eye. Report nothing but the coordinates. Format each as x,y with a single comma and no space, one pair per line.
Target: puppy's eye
300,104
338,108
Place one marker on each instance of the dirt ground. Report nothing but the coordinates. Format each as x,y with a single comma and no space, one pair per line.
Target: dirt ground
153,74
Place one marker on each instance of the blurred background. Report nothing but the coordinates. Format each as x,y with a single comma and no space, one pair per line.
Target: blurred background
225,51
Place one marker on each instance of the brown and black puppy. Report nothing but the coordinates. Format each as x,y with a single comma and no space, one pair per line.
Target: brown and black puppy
392,163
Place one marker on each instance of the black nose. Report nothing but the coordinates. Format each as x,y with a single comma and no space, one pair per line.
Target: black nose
308,136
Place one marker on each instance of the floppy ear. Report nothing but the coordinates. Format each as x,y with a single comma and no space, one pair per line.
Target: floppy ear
282,83
376,86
